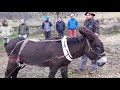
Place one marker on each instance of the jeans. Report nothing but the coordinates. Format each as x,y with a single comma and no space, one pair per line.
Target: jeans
60,34
84,61
47,34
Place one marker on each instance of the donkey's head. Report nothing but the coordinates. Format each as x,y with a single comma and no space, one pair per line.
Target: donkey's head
94,47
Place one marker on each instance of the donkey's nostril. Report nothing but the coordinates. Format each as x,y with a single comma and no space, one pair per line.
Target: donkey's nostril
101,64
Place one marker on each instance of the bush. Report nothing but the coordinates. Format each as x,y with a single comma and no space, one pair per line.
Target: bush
110,30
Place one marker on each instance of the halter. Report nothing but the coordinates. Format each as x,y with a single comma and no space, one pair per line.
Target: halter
91,50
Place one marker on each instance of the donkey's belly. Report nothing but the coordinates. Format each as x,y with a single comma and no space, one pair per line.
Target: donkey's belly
38,58
35,54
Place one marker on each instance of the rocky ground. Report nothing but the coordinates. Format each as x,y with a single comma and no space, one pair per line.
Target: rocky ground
110,70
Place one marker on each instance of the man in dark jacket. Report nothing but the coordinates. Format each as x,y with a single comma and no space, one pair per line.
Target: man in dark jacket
23,29
46,26
92,25
60,27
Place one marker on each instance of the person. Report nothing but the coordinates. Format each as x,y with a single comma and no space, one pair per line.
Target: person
46,26
60,27
23,29
93,26
73,26
6,32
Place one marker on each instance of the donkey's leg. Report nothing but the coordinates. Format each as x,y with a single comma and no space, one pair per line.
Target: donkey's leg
15,73
64,72
53,71
10,68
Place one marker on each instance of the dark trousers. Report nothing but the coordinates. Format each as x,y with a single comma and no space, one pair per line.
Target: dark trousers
60,33
47,34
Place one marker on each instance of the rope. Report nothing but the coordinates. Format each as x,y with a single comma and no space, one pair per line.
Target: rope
22,47
47,40
15,47
90,49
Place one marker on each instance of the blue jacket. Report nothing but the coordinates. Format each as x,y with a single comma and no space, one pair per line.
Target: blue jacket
72,24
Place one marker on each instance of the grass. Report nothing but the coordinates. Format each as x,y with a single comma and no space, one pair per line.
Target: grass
1,45
1,41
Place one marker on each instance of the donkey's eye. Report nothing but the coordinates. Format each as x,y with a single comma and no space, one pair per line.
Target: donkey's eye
97,47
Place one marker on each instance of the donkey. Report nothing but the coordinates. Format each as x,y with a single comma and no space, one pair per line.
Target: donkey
50,53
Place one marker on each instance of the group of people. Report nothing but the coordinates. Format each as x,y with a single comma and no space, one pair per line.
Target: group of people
90,23
60,27
72,25
7,31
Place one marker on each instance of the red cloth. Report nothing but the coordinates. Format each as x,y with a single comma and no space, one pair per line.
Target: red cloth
73,33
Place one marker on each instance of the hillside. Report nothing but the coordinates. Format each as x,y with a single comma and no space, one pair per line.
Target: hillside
39,16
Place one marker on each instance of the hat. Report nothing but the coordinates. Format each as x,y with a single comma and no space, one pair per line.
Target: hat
47,17
72,15
22,20
89,13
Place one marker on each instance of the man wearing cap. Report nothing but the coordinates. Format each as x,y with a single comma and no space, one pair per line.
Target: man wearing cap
23,29
90,23
93,26
73,26
46,26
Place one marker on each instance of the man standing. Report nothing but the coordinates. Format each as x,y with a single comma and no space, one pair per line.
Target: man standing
73,26
60,27
46,26
6,32
93,26
23,29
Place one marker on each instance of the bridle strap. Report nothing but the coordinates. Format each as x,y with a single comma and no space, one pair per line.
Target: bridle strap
90,49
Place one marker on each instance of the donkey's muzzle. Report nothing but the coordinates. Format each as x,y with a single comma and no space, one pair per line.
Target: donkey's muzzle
102,61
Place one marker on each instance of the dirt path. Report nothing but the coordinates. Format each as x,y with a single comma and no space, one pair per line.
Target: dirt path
110,70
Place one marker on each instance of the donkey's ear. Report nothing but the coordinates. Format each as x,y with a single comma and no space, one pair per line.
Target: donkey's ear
82,32
87,34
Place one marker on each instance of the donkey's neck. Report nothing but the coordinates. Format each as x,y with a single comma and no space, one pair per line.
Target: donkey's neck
77,46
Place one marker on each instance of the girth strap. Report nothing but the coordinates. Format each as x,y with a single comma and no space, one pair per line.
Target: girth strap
22,47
